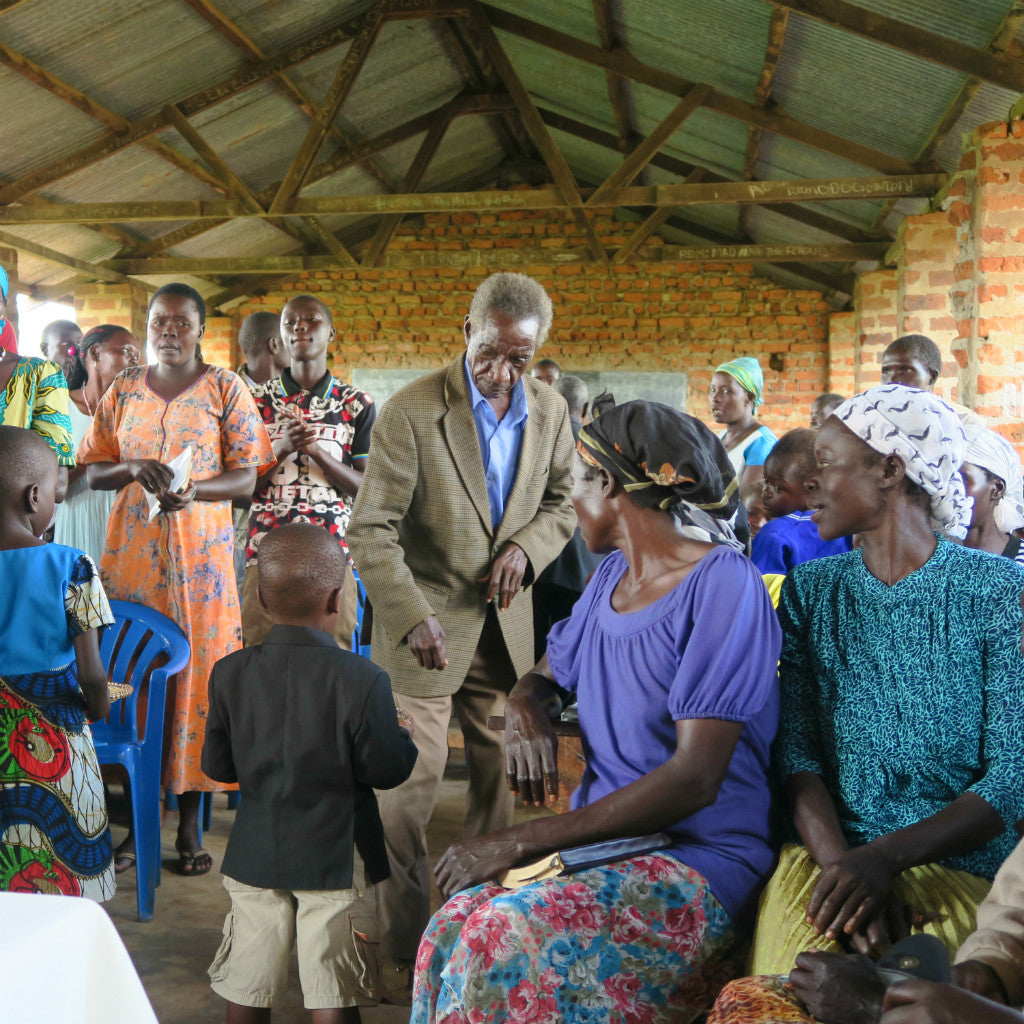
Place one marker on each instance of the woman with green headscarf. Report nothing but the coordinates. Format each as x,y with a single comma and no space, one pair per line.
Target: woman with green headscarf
736,391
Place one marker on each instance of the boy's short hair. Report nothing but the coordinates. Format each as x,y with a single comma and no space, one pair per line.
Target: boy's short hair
798,447
299,565
324,308
24,459
256,330
921,347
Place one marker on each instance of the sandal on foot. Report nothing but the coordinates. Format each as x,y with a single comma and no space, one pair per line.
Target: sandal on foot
123,862
187,862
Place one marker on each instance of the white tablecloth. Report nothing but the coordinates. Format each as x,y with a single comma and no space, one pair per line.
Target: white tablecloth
62,962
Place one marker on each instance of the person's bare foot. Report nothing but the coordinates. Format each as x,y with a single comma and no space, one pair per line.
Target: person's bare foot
124,855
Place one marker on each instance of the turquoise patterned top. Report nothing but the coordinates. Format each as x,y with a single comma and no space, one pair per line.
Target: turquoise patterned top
903,698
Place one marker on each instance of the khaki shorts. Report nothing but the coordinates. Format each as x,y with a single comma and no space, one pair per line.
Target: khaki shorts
335,933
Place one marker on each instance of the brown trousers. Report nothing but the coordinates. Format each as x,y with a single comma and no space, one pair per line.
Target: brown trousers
404,899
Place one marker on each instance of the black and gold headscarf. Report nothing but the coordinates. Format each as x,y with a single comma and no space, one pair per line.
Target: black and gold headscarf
668,460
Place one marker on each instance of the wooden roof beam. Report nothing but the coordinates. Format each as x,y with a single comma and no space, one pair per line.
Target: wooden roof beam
538,131
651,224
804,190
620,93
43,252
762,98
918,42
420,163
648,149
800,214
625,64
479,70
459,106
841,252
348,70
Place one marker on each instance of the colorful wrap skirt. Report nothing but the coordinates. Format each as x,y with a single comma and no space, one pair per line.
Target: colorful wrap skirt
640,941
53,815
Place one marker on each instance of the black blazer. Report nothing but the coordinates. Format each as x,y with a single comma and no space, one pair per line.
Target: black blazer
308,731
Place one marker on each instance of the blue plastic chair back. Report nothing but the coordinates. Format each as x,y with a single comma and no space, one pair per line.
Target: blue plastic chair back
357,646
142,643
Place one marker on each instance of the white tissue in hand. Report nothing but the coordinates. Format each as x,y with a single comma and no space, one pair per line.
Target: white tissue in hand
181,466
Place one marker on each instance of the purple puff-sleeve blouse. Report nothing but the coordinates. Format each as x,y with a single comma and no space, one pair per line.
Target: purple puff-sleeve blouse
709,648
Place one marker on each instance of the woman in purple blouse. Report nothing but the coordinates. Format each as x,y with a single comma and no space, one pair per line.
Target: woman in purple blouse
672,654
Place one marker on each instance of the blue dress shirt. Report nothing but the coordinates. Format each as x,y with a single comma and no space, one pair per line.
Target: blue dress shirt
500,442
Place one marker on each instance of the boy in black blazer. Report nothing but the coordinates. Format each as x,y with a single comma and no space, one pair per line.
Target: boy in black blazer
308,731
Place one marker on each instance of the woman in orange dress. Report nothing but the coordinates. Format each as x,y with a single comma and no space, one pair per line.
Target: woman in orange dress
180,561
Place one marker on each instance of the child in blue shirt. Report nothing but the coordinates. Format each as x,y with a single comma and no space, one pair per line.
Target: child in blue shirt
789,537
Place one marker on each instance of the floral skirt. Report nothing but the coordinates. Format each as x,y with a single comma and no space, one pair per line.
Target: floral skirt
53,815
640,941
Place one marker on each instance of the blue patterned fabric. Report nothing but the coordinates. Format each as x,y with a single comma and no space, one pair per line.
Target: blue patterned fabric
904,697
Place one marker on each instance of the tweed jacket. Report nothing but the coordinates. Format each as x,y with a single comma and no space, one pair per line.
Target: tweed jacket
421,533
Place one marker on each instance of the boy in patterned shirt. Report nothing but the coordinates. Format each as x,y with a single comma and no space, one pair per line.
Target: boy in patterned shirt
320,427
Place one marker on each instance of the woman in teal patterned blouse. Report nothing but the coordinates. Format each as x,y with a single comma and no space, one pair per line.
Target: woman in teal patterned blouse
901,739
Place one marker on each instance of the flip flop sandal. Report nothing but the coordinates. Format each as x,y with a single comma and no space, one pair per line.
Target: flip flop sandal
123,862
187,862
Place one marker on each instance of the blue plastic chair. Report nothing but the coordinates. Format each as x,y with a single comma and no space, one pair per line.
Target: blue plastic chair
141,643
357,647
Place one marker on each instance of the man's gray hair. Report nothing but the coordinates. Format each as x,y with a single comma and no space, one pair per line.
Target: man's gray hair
517,296
574,391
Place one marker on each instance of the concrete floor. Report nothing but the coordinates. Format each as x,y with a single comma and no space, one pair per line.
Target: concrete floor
173,950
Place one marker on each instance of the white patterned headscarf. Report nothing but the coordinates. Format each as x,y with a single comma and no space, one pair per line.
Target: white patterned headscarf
993,453
927,435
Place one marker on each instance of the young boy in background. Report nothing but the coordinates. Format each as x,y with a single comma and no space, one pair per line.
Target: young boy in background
308,731
789,537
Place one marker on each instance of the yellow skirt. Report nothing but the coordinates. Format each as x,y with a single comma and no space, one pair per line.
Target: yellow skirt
782,930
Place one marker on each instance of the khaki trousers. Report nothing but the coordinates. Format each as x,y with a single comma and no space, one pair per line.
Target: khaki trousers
256,619
404,898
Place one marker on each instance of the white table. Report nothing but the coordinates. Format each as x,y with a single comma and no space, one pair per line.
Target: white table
62,962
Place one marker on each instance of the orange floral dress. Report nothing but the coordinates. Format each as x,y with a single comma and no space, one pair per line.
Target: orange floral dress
180,564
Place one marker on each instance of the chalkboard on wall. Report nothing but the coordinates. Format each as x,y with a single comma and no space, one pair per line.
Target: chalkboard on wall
667,388
380,385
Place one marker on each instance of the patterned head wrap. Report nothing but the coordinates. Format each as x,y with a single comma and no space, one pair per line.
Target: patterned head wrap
747,371
994,454
4,283
668,460
927,435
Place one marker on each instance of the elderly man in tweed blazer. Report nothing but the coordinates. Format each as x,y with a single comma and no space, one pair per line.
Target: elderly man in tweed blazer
464,501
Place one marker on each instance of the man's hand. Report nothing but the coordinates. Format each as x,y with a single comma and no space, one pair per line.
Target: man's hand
297,434
837,988
426,641
980,979
506,575
531,751
925,1002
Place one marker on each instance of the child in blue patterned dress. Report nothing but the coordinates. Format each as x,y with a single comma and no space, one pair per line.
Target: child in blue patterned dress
53,815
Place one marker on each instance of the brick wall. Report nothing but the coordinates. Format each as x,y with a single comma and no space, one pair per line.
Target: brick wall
121,304
958,276
658,316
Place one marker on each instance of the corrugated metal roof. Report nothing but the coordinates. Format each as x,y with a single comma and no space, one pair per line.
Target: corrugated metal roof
973,22
851,86
720,43
133,56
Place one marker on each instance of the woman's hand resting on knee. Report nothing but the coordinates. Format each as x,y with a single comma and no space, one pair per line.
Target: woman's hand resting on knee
474,861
